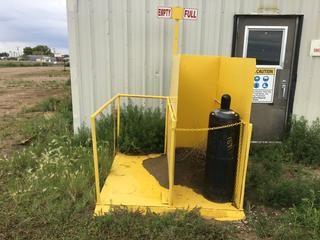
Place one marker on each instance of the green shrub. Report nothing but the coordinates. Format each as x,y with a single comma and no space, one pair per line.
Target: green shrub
290,192
265,168
303,142
23,64
273,178
142,130
274,182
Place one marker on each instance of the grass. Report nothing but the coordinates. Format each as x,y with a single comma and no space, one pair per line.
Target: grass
30,84
47,189
277,183
52,73
23,64
298,222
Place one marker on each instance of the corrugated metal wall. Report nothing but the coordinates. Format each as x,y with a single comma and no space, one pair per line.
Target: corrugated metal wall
121,46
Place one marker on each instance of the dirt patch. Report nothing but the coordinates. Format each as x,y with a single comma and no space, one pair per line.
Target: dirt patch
21,88
25,86
189,168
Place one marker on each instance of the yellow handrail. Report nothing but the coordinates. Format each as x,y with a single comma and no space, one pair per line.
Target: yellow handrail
142,96
104,106
169,112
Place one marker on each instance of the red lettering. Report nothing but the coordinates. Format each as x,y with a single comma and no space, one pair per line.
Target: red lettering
164,12
190,14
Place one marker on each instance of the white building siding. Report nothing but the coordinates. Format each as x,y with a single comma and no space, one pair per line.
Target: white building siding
121,46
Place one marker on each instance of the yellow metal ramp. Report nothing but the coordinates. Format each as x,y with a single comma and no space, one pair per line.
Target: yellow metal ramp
130,184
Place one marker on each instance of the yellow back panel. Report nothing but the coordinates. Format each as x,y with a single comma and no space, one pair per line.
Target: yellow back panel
236,79
203,79
197,91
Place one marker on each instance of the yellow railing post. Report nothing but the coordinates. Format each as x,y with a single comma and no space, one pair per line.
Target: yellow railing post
114,114
95,157
166,128
115,100
172,159
118,121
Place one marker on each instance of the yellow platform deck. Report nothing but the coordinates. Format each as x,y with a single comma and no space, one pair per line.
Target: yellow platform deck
130,184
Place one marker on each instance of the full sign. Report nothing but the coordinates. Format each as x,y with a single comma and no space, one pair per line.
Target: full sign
263,86
188,13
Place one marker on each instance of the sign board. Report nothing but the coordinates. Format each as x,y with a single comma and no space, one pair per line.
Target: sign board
164,12
190,14
315,48
263,86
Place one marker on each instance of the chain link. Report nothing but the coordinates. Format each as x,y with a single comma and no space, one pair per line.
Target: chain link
208,129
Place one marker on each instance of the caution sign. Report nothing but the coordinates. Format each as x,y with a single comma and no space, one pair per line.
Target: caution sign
263,86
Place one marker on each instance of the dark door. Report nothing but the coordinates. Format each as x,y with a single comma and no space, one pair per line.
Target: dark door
273,41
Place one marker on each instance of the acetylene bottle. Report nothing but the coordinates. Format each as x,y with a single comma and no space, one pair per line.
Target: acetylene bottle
222,153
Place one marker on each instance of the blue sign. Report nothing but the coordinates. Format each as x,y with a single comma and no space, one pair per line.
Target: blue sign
256,78
256,85
265,85
266,78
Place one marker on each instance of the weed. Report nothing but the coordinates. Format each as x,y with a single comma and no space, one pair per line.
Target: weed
275,182
142,130
68,82
47,192
23,64
303,142
120,224
299,222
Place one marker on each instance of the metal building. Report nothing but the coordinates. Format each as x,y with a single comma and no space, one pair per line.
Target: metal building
122,46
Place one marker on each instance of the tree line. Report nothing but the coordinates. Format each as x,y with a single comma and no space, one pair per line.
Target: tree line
38,50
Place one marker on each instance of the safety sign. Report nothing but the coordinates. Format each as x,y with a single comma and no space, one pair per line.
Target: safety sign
263,86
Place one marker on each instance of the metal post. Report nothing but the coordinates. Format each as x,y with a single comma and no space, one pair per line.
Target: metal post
118,121
95,158
114,115
172,159
166,128
175,44
176,15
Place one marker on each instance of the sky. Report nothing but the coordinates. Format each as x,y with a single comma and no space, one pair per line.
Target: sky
33,22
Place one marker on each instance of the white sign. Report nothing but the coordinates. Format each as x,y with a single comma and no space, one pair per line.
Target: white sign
164,12
190,14
315,48
263,86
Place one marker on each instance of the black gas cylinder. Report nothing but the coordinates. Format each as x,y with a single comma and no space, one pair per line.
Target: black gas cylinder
222,153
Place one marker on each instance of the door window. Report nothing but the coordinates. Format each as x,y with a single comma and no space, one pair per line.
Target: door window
266,44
